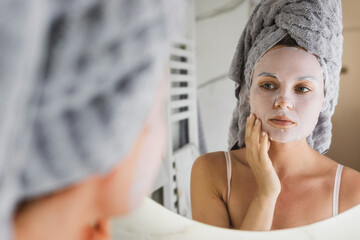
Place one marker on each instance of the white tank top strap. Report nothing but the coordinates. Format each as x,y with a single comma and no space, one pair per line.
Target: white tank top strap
336,192
228,173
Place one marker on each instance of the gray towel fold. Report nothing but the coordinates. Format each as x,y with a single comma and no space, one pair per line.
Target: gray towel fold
78,79
316,26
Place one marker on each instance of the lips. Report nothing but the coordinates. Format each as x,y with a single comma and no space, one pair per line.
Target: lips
281,122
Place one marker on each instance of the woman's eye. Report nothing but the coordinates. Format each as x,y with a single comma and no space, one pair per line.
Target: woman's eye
303,89
267,86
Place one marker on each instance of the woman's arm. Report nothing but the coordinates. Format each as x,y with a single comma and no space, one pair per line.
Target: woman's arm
260,214
206,201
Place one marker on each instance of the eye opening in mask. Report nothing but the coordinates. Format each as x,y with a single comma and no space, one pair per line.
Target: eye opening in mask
288,41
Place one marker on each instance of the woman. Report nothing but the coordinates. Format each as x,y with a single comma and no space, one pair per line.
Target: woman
287,85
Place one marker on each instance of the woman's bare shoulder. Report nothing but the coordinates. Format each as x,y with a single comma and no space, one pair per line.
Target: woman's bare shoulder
210,161
210,165
208,190
349,188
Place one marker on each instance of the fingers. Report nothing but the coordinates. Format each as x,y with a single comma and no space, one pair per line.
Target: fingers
252,130
263,146
256,131
263,151
248,128
268,143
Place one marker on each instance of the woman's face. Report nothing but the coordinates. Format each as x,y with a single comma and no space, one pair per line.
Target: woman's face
287,93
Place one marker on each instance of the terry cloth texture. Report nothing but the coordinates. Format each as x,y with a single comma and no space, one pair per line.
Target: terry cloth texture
316,26
78,79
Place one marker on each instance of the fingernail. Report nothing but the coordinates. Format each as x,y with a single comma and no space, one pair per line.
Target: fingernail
251,116
263,134
256,121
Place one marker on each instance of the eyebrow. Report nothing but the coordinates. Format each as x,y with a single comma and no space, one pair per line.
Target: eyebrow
268,74
299,79
307,78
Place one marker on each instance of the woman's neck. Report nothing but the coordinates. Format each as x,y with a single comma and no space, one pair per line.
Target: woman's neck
64,215
293,158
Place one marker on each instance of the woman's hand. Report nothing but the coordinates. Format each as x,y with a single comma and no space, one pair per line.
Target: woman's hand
257,146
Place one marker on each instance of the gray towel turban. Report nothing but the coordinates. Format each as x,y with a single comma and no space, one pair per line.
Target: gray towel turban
316,26
78,79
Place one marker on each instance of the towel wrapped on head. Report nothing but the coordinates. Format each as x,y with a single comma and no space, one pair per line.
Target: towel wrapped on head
78,79
316,26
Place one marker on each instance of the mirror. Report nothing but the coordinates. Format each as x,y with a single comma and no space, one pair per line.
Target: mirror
201,97
143,224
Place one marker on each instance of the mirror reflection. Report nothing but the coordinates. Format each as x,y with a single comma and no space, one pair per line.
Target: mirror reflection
270,153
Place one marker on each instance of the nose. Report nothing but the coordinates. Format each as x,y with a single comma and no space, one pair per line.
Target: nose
283,103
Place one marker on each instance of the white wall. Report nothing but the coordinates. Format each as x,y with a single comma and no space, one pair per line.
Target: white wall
216,37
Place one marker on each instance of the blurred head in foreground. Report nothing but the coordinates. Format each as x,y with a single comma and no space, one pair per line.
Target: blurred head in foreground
81,129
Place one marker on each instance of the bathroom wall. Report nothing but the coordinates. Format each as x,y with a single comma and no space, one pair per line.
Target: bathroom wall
218,27
345,146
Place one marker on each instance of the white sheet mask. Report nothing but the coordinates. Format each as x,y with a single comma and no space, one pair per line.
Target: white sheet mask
287,82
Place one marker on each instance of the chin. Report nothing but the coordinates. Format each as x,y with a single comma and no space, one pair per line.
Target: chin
285,139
